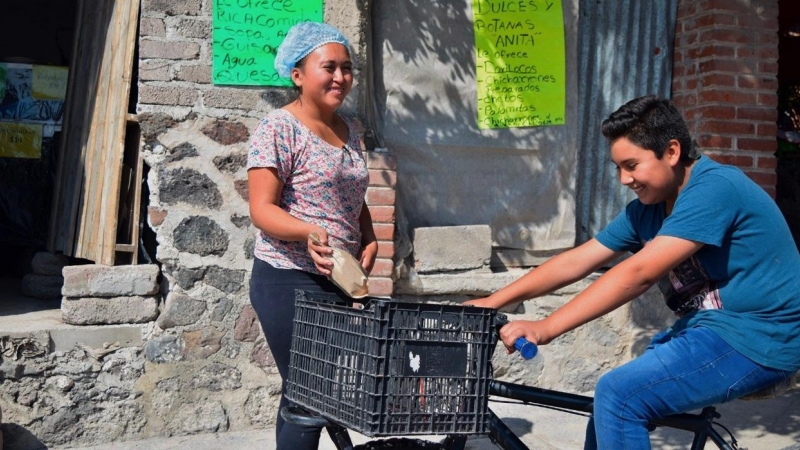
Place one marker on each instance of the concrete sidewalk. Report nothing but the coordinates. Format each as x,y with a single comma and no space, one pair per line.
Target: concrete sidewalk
758,425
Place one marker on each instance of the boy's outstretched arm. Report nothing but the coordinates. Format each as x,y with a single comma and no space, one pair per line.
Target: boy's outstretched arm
621,284
557,272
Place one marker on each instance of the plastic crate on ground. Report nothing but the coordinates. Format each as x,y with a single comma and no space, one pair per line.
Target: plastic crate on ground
393,368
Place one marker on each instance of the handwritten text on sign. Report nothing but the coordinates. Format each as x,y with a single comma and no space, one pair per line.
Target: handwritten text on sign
20,140
247,34
519,62
49,82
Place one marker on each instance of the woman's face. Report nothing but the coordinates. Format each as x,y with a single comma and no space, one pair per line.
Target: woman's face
325,76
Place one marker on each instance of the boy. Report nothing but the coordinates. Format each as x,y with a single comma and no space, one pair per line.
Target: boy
722,255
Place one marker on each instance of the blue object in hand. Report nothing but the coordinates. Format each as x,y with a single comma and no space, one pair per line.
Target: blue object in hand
525,348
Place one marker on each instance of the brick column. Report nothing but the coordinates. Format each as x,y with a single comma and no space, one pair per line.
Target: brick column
380,200
725,82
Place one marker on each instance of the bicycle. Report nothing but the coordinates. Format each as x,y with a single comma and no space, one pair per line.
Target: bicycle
464,413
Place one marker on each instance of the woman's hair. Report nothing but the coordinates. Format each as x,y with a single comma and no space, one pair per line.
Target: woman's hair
302,39
650,122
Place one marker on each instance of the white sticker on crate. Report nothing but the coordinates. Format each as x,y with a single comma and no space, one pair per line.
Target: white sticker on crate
413,362
436,359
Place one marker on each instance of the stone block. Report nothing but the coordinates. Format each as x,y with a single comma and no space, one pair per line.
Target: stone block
94,280
247,327
443,249
479,284
380,160
171,96
180,310
106,311
42,286
64,340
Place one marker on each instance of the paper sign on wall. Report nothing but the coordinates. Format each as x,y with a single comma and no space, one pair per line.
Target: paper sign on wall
49,82
20,140
246,34
520,62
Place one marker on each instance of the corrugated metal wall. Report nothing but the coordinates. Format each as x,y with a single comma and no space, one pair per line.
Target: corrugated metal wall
625,51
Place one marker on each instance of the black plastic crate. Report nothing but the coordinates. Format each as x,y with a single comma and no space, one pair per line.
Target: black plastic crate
393,368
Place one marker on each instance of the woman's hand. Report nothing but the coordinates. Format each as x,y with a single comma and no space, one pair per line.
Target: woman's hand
319,250
368,254
535,331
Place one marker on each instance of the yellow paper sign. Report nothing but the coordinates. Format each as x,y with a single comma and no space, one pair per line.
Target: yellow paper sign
20,140
520,62
49,82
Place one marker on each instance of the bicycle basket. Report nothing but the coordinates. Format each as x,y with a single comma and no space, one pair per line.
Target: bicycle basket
393,368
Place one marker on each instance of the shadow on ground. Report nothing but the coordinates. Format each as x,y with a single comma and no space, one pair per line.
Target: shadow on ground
16,437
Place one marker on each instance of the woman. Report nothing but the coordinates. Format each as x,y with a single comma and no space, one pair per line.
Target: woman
306,175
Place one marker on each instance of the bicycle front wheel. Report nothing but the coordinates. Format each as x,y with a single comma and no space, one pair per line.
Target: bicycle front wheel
401,444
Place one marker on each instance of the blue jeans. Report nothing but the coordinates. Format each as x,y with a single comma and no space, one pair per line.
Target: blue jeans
693,369
272,297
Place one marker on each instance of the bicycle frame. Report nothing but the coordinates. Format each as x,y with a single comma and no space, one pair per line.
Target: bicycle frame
499,431
701,424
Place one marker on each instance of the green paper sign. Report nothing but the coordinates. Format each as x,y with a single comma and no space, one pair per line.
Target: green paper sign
520,62
246,34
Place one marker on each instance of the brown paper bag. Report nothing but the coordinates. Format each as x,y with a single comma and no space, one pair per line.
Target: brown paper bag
347,272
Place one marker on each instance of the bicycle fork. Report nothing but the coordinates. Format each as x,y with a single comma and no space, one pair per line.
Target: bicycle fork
501,435
299,416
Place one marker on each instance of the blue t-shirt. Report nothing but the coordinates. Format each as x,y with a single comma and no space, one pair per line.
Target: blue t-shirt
744,283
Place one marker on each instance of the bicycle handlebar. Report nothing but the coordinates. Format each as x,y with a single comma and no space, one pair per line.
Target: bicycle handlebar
526,348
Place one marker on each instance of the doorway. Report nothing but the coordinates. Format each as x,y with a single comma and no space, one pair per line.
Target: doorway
36,41
787,190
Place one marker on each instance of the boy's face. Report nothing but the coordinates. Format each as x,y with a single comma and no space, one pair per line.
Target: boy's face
653,180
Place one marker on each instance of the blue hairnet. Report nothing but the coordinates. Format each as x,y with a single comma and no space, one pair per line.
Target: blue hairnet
302,39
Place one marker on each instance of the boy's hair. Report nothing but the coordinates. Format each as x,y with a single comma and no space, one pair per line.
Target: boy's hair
650,122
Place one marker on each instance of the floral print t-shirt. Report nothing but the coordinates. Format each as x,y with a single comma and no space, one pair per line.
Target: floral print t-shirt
322,184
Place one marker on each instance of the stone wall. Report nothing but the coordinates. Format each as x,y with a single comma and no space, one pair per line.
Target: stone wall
185,355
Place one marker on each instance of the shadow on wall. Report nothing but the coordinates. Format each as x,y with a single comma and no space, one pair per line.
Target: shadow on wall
451,172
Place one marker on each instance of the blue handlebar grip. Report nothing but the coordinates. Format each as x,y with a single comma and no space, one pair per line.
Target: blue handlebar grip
525,348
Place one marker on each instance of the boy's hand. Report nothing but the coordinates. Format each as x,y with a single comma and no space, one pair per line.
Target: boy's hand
533,331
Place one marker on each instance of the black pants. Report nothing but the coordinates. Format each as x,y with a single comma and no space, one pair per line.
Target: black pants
272,297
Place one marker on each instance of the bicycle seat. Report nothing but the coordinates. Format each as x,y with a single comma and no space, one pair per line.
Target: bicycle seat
776,389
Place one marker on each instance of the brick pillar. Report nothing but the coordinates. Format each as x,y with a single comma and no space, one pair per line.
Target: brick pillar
725,82
380,200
